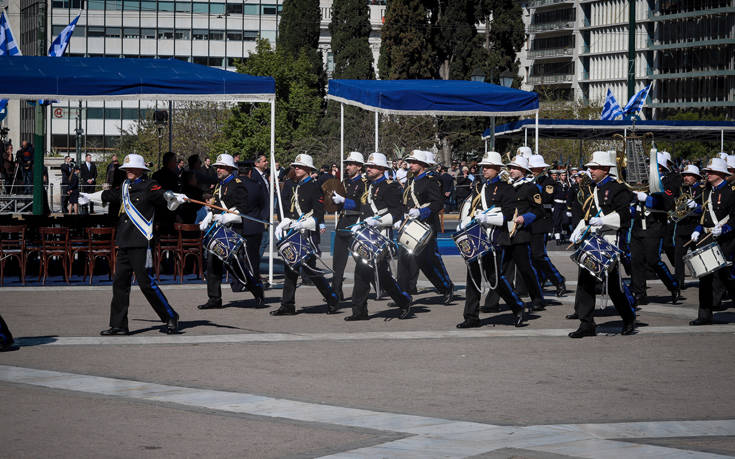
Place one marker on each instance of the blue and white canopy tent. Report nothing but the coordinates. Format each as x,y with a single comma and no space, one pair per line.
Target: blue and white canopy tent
430,97
105,79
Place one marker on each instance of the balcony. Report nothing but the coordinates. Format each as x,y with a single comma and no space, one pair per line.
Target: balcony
556,52
551,79
540,3
551,26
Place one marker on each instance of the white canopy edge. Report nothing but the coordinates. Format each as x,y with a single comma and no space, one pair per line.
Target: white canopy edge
165,97
426,112
611,126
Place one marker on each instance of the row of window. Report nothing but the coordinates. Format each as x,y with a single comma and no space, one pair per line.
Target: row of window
211,61
161,33
179,7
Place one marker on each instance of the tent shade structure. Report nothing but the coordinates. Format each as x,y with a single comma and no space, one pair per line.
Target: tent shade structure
85,78
601,129
97,78
434,97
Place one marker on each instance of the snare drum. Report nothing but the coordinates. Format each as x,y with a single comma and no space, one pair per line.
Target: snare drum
413,235
473,242
596,255
706,260
369,246
223,243
295,249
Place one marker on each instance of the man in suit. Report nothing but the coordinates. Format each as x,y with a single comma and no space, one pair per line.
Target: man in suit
88,173
257,207
66,169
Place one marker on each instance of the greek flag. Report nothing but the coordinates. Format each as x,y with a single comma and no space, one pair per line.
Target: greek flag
636,102
611,109
62,41
8,47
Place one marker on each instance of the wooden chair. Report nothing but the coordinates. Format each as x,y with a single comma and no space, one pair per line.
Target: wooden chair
101,244
13,245
190,244
166,243
55,243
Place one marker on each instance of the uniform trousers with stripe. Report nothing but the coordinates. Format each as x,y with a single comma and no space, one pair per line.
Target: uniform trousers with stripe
520,255
365,275
131,261
541,261
587,288
429,262
503,288
646,252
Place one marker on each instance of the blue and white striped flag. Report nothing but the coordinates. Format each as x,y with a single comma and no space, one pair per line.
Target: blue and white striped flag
8,47
611,109
58,47
62,41
636,102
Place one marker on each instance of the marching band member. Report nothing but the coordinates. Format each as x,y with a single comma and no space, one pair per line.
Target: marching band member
229,193
423,200
649,228
542,226
718,215
489,196
607,213
380,208
137,199
523,209
672,181
356,187
303,210
686,226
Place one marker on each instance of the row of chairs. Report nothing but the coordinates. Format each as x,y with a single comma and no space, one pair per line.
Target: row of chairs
99,243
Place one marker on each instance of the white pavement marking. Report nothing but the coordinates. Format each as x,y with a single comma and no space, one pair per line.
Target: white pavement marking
428,437
487,332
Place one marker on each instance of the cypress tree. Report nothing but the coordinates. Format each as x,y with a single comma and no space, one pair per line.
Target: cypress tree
405,49
455,39
350,30
298,31
505,36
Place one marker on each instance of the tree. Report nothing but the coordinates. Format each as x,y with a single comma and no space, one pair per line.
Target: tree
298,32
504,36
350,30
405,49
457,45
298,104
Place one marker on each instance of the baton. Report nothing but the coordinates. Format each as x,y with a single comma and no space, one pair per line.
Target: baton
228,211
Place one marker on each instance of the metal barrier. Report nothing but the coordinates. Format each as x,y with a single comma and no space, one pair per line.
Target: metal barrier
18,198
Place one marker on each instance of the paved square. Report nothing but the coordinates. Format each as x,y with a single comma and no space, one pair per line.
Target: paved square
239,383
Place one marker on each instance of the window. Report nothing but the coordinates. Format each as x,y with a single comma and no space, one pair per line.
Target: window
234,35
148,33
249,35
112,32
114,4
234,8
165,6
112,113
56,30
201,8
96,4
94,113
216,35
165,34
216,8
232,61
200,34
148,6
201,60
76,4
182,34
215,61
269,10
183,7
131,5
251,9
131,32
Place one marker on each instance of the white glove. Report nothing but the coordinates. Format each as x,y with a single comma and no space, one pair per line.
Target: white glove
355,228
298,225
691,204
717,231
462,224
413,213
283,226
95,198
397,225
577,234
227,218
641,196
372,221
179,198
204,224
595,221
695,236
337,199
569,214
481,218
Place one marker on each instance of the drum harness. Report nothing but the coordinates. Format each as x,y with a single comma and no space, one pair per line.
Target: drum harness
492,286
218,191
295,206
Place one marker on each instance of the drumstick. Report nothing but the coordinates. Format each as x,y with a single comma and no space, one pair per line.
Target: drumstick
698,242
515,225
585,230
228,211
